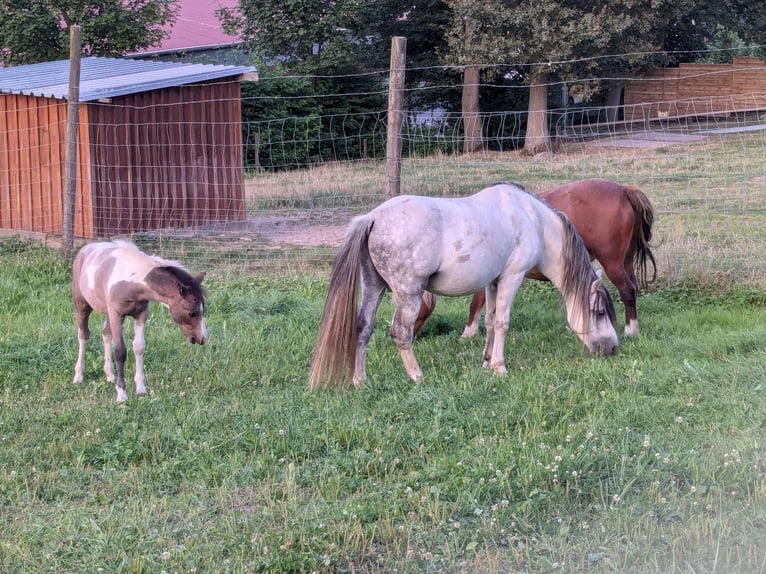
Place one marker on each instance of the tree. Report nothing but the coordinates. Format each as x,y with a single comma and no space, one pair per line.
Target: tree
553,42
298,36
38,30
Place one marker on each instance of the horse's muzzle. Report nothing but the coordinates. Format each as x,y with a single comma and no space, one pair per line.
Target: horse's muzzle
603,350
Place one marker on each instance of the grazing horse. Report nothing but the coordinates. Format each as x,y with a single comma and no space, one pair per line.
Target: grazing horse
453,247
117,279
615,223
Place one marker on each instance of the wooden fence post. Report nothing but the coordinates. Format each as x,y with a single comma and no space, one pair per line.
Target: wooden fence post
395,117
72,123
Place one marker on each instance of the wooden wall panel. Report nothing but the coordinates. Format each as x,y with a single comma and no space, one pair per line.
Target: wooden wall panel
168,159
697,90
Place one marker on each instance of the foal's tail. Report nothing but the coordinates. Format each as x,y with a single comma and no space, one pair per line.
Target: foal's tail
335,347
642,234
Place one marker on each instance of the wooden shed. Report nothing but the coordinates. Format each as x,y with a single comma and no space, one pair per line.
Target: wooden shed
159,146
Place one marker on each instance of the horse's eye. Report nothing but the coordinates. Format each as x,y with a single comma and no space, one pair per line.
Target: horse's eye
192,314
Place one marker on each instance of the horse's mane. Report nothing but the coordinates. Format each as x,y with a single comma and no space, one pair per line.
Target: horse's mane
578,271
186,279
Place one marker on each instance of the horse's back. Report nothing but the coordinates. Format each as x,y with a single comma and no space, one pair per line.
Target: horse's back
598,208
452,246
100,265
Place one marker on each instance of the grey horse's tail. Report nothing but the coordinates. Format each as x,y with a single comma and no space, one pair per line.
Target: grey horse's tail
642,234
335,348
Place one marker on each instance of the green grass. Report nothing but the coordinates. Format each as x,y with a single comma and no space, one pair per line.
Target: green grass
650,461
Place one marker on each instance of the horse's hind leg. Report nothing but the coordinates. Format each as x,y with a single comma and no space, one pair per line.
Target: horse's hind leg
373,288
624,279
407,309
82,311
629,296
472,325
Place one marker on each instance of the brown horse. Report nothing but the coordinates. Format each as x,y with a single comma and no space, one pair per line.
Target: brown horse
117,279
615,223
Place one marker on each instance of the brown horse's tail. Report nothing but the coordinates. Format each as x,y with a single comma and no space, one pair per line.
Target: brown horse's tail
335,347
642,234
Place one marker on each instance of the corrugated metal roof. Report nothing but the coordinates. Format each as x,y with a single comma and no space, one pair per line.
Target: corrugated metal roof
108,77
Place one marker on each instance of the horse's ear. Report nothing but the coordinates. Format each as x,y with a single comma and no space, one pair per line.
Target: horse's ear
595,286
200,277
598,273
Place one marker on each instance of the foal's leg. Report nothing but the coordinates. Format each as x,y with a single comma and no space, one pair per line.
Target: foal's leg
82,311
472,325
139,344
407,308
120,353
106,337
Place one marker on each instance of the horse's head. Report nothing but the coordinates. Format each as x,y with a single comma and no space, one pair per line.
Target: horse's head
595,325
187,309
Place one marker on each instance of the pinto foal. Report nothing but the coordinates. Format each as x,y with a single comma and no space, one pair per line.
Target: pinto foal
117,279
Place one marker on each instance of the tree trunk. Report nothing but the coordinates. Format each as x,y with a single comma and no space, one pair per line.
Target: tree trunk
538,139
473,139
613,103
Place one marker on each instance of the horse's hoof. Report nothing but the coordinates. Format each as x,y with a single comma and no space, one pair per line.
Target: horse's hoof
501,371
122,396
77,379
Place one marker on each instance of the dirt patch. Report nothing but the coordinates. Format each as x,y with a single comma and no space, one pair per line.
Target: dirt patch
313,228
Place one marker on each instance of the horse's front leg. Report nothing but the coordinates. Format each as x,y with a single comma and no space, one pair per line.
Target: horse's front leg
106,337
120,353
402,327
139,345
489,322
506,293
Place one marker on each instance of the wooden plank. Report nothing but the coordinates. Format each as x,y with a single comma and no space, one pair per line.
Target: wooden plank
38,206
47,196
15,173
6,221
24,166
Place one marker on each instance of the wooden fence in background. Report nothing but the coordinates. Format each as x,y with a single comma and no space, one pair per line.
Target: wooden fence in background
697,90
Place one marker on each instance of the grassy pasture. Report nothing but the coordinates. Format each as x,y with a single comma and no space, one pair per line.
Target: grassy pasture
651,461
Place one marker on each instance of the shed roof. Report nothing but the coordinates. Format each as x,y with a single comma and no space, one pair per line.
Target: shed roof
108,77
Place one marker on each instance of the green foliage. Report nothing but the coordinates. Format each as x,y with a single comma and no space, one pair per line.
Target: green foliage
642,462
38,30
288,123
